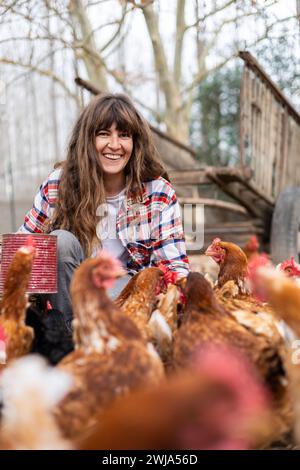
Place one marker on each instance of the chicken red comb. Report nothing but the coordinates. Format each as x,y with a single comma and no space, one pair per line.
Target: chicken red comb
170,277
3,353
291,264
257,262
105,272
252,243
30,241
260,261
216,240
29,246
2,334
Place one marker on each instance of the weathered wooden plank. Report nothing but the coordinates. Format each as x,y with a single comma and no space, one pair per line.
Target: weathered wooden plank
243,116
259,129
184,177
272,145
204,175
214,203
263,156
273,135
252,127
279,165
266,167
251,198
247,107
232,229
284,150
258,70
277,151
242,223
294,153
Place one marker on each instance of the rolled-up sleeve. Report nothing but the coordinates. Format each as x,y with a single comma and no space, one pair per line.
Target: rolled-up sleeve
168,238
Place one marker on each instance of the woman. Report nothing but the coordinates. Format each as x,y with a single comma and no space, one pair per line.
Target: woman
110,192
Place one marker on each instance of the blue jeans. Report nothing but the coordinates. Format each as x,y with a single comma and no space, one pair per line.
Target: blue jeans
69,256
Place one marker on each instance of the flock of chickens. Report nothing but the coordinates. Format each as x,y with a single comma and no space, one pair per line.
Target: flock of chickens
170,364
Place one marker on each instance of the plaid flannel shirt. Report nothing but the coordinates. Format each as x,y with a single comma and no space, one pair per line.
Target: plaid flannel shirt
150,230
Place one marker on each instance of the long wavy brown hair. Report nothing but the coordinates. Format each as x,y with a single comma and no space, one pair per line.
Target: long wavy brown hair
81,188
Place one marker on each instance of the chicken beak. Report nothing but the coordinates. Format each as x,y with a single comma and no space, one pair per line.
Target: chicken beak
3,355
119,273
210,252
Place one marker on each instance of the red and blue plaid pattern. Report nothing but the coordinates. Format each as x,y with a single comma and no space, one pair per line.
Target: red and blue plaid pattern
151,229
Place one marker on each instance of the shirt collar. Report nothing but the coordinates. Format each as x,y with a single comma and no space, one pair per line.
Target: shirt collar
132,198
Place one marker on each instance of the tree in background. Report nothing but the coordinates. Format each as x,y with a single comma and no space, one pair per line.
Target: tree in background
201,41
215,124
281,61
215,116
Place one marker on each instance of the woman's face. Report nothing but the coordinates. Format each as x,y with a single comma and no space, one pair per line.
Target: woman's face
114,148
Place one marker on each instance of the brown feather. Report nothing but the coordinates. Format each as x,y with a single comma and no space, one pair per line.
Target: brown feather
19,337
111,358
206,321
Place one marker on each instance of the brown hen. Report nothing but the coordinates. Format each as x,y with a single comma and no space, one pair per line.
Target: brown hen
153,288
251,247
280,290
232,289
284,295
206,321
217,404
13,305
30,389
110,358
139,297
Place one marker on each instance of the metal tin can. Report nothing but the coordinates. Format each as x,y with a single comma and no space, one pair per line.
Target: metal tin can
44,270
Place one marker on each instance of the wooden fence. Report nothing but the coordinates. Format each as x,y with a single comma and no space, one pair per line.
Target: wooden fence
269,131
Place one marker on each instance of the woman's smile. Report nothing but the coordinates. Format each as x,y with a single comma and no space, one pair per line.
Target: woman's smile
112,157
114,147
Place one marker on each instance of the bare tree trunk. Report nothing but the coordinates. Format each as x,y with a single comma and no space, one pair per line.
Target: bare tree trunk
53,100
35,128
174,119
90,54
180,29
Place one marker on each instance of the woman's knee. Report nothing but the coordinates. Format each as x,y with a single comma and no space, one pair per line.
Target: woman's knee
68,245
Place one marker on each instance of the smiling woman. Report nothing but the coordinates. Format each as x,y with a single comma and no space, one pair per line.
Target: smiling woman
111,192
114,147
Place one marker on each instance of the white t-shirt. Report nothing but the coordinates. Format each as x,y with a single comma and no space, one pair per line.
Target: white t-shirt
107,230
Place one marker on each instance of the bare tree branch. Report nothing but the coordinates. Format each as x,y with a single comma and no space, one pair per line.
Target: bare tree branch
73,19
117,44
10,7
180,28
141,4
203,73
118,30
222,8
93,62
200,41
212,13
98,2
43,72
161,65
